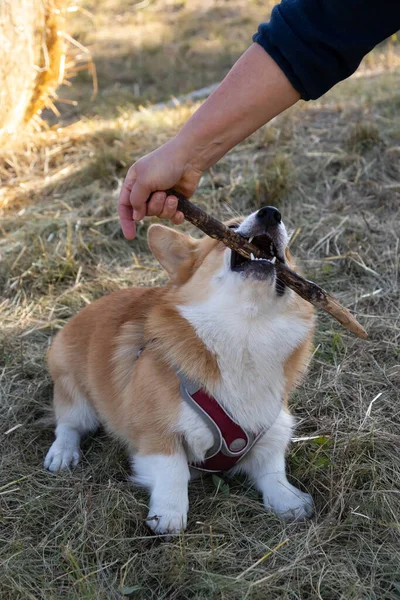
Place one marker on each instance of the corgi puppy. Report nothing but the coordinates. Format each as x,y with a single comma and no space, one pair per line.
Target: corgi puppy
224,325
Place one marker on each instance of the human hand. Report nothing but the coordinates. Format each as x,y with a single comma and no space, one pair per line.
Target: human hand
255,91
167,167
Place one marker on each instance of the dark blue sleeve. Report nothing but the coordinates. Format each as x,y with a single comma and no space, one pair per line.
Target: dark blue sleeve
317,43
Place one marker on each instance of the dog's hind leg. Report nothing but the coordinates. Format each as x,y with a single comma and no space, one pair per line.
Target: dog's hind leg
74,417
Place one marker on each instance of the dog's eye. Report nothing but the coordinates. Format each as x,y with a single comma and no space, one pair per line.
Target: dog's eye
233,226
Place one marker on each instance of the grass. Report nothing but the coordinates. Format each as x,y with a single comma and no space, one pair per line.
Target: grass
333,167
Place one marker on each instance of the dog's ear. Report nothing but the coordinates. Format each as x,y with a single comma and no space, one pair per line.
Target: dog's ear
171,248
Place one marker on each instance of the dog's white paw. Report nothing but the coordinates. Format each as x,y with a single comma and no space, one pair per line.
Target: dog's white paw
61,455
164,521
288,502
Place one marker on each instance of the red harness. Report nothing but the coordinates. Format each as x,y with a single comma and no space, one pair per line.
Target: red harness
231,441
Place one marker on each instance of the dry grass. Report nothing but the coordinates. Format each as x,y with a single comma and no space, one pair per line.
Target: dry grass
333,167
37,56
32,58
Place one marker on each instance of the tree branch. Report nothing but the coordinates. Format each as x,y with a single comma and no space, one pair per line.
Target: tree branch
308,290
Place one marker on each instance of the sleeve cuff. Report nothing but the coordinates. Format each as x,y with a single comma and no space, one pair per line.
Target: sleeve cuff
282,63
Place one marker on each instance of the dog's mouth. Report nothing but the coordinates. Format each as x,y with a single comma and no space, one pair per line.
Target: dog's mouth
263,242
260,269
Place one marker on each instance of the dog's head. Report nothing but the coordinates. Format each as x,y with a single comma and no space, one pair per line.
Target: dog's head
206,266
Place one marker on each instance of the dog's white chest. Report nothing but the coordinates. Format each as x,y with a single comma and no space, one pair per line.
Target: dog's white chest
251,349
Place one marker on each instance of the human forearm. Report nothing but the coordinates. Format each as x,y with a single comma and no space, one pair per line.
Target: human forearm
253,92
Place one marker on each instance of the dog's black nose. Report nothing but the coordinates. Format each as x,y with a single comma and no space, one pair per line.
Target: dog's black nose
269,216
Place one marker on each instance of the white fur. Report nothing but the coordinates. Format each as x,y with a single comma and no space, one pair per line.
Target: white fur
167,478
196,432
265,466
64,451
74,419
252,332
246,329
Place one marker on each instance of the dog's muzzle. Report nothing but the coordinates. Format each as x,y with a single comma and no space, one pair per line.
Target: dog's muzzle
265,230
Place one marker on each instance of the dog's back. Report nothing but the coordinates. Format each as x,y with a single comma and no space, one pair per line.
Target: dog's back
84,348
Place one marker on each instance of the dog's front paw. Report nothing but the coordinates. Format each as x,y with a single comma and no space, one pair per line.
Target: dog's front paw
288,502
61,456
166,521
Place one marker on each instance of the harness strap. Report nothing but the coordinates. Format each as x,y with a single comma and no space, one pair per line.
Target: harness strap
231,441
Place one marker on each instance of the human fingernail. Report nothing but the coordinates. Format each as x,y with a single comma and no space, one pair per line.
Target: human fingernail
136,215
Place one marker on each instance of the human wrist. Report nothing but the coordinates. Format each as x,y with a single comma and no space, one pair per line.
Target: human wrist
199,150
253,92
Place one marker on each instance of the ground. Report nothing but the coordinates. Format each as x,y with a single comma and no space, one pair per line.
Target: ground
333,169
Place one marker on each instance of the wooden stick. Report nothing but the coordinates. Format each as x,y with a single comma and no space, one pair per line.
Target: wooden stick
308,290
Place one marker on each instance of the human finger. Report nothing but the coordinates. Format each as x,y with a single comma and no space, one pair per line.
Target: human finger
178,218
128,225
138,198
156,203
170,207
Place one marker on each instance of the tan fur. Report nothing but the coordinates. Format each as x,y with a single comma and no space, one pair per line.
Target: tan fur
96,352
297,363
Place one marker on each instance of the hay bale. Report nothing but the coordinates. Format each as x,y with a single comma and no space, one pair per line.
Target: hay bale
32,58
